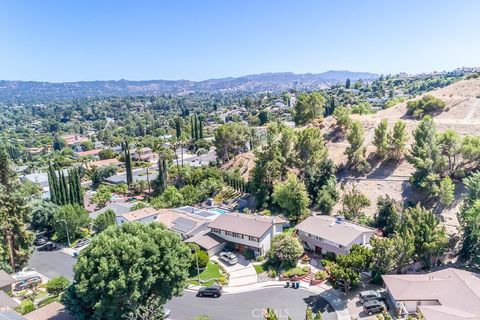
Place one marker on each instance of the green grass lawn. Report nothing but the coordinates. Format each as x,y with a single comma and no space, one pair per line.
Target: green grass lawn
260,268
211,271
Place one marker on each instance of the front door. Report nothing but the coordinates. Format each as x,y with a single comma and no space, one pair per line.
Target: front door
318,250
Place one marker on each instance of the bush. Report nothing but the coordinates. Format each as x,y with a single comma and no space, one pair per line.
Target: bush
249,254
57,285
329,256
321,275
26,306
295,272
272,273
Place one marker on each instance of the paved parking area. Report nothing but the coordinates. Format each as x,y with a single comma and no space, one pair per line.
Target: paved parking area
241,274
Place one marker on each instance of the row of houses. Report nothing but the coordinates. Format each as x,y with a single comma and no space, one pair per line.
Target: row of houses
212,229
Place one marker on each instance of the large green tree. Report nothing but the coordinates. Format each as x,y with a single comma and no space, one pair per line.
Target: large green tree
285,250
356,150
124,267
230,139
292,197
70,219
309,106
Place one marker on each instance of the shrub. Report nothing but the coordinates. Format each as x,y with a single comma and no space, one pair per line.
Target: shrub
321,275
249,254
26,306
272,273
295,272
202,258
57,285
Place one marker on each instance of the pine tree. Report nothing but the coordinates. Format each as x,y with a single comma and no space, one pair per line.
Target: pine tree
382,138
399,139
178,128
356,151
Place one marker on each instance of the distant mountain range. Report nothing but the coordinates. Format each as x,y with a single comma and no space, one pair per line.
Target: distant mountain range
280,81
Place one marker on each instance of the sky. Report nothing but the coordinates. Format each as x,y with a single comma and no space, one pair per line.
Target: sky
80,40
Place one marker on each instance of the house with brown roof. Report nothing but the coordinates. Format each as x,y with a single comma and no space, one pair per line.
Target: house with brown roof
449,294
6,282
247,231
323,234
144,215
183,223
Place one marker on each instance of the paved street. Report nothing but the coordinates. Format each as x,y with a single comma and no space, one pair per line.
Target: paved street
249,305
53,263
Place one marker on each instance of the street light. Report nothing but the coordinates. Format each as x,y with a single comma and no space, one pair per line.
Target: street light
66,228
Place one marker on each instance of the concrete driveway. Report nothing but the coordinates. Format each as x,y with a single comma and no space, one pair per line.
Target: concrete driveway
241,274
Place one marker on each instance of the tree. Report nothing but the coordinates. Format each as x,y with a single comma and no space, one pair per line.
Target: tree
398,141
309,106
123,267
388,215
342,116
263,117
321,183
57,285
309,314
353,202
318,316
71,219
42,214
446,191
427,104
170,198
469,218
230,139
403,248
430,238
358,259
128,163
450,144
152,309
102,196
285,250
347,84
292,197
425,156
356,151
160,184
105,154
198,258
99,175
383,257
104,220
382,139
15,239
310,148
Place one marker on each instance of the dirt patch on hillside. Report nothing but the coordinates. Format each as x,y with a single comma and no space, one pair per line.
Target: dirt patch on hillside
244,163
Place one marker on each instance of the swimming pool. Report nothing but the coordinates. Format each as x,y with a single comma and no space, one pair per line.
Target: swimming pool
218,210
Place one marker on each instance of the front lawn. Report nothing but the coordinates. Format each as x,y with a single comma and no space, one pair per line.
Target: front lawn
260,268
212,271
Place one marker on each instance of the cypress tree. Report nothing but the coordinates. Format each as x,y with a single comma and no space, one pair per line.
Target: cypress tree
178,128
161,184
192,131
195,125
128,164
78,185
71,188
200,125
63,188
53,185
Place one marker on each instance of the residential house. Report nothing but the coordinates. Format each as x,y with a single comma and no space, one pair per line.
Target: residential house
6,282
142,154
323,234
52,311
104,163
208,241
9,314
185,224
449,294
144,215
90,153
245,231
119,208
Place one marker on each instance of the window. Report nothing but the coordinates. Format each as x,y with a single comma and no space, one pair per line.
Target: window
216,230
255,239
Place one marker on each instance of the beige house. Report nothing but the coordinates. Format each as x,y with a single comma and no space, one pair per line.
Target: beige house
247,231
449,294
144,215
323,234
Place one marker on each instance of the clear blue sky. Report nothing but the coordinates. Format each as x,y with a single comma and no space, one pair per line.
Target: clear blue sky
70,40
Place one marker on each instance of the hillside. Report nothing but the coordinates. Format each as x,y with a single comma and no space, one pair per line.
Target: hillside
275,82
462,114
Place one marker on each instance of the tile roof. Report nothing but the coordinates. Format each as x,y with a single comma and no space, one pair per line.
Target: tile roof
327,228
118,208
52,311
139,214
7,301
5,279
206,240
452,288
247,224
181,222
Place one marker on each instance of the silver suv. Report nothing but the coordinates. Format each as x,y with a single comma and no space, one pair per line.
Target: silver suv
228,258
369,295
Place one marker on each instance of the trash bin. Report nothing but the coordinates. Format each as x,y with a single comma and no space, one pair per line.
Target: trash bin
297,284
287,284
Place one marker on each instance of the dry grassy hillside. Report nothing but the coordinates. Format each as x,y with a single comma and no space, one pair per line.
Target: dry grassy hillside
462,114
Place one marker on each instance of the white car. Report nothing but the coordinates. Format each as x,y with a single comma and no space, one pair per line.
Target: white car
228,258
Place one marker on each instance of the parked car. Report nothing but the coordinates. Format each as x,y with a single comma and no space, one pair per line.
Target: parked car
83,242
49,246
40,241
374,306
27,283
166,313
228,257
369,295
211,291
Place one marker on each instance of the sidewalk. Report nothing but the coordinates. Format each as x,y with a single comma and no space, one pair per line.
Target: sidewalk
332,296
